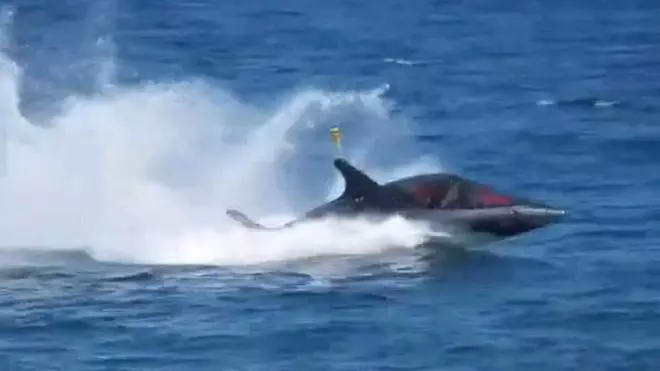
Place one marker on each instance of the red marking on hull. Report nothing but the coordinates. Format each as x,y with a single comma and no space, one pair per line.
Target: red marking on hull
489,198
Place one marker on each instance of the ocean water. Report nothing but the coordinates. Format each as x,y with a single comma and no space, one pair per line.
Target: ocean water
129,127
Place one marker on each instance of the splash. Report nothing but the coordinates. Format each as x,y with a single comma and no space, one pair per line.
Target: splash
236,246
144,173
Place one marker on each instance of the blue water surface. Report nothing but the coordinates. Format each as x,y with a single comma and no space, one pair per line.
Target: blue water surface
555,100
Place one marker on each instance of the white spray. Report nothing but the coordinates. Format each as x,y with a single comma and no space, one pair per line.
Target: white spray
144,174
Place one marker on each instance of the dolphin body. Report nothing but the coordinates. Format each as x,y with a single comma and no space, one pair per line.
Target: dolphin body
441,199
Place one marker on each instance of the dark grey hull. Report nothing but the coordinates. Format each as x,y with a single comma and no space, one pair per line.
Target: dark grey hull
443,201
497,221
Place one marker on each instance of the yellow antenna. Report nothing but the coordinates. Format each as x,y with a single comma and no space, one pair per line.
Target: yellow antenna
335,135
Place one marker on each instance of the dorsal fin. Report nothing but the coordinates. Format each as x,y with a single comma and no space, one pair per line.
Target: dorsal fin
357,183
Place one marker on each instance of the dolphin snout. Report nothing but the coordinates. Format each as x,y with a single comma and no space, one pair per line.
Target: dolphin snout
539,216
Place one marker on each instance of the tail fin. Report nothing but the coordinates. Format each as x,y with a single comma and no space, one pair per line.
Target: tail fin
244,220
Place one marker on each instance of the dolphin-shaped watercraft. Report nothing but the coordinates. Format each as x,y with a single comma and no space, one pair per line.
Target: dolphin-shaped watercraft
437,198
